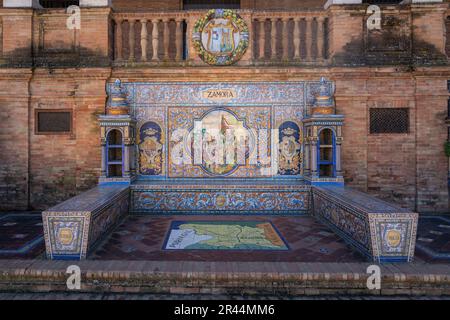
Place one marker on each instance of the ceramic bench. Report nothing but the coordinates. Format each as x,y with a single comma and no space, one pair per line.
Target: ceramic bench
379,230
73,228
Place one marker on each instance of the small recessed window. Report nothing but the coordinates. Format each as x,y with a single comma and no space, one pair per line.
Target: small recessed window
53,121
389,120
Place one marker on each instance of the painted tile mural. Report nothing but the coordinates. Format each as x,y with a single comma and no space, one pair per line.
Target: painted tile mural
222,133
171,116
150,143
242,201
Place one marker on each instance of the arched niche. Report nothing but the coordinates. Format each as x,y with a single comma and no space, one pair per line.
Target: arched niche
114,147
326,153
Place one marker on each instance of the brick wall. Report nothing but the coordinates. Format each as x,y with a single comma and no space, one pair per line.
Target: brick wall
17,34
61,166
391,165
409,169
431,105
351,102
14,139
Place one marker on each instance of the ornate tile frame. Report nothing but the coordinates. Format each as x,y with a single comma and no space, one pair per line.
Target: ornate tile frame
161,95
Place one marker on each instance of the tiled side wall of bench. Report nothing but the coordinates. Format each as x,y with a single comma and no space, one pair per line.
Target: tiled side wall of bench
73,228
377,229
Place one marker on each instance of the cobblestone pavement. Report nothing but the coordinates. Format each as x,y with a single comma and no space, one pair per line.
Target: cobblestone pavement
90,296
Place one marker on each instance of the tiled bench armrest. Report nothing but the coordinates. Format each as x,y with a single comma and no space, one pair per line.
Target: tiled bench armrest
75,226
379,230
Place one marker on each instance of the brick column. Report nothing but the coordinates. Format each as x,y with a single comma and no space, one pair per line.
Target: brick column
345,24
95,32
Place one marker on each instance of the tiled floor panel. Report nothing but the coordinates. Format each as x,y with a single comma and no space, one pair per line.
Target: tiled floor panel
142,238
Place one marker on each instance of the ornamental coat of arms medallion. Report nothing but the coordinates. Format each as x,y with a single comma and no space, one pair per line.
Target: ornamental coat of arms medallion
220,37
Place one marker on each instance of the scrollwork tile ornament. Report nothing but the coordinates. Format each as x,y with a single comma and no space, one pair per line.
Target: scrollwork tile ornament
117,103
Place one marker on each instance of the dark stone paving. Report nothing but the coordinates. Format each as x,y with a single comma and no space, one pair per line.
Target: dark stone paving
142,238
21,236
433,239
112,296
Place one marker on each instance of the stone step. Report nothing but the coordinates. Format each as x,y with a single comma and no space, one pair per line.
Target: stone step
249,278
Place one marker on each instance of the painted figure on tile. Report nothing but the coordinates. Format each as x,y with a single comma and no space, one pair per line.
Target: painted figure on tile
150,149
290,156
224,142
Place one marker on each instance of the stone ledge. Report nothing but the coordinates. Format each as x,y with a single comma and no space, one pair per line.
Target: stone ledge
233,278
